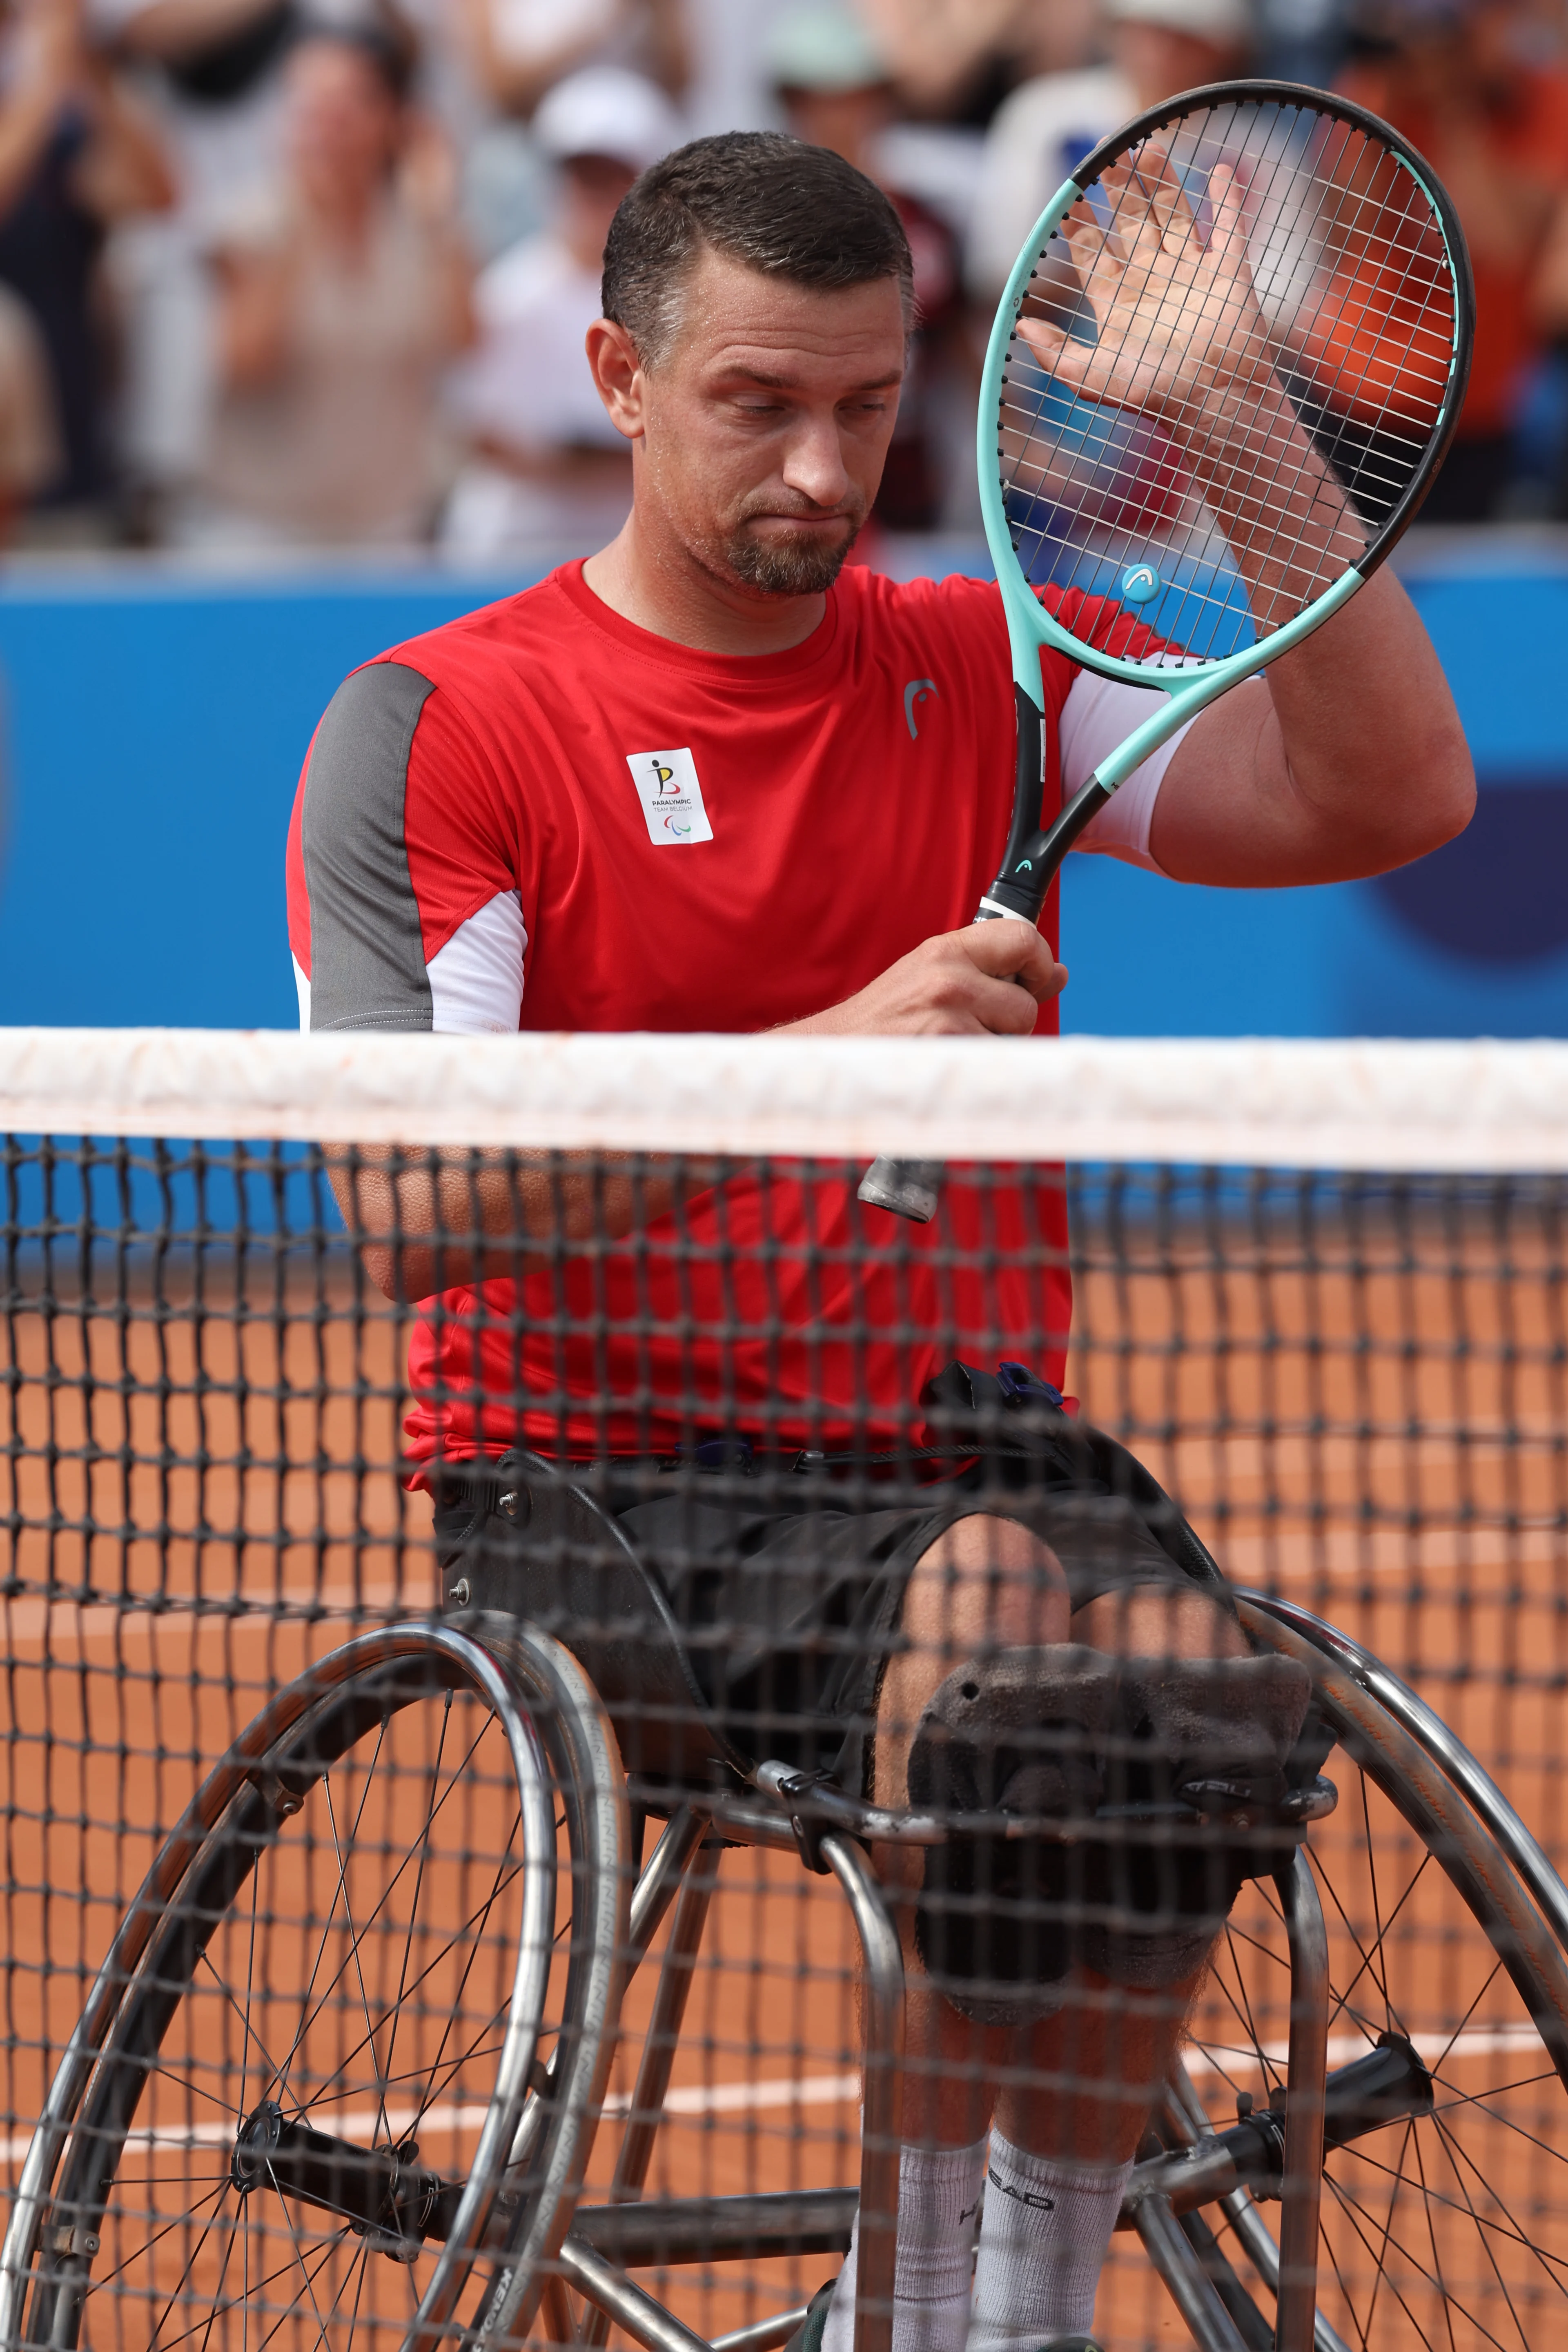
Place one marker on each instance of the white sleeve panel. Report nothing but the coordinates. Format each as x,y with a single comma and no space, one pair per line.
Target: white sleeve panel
476,980
1098,714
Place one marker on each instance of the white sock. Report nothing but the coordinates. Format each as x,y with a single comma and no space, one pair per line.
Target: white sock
1043,2243
939,2195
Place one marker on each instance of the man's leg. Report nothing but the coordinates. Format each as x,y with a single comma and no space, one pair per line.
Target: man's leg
1072,2093
985,1583
1078,2087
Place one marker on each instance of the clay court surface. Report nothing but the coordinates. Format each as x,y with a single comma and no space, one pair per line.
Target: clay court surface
1379,1434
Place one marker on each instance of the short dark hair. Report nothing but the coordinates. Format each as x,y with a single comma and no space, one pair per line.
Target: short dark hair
782,208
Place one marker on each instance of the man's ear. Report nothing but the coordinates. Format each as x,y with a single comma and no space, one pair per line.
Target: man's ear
617,374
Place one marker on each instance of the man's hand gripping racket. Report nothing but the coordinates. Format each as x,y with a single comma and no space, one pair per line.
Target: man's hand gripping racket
1225,370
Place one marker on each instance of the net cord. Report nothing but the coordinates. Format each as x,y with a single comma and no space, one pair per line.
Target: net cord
1478,1105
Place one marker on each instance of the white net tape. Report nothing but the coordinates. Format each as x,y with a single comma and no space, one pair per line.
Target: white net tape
1477,1105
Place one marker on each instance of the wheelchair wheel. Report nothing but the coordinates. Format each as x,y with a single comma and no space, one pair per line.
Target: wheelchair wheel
1441,2228
337,2079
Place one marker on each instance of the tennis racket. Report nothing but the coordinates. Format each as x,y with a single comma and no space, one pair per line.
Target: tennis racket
1225,370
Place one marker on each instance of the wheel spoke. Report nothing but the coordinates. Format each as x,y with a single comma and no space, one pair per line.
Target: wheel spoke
305,2271
1486,2222
1391,2021
185,2083
1481,2220
1379,1972
179,2221
349,2058
420,1880
1495,2090
1491,1979
243,2016
476,1934
1432,2239
372,1916
1326,2243
249,1988
1396,2183
354,1950
1449,2302
332,2246
306,2013
1359,2224
1479,2101
217,2291
1485,2237
1269,2071
190,2262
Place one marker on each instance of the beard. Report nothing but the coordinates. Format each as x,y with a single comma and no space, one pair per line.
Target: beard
789,564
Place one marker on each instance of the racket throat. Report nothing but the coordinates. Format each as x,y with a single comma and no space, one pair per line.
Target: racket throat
1031,867
1029,774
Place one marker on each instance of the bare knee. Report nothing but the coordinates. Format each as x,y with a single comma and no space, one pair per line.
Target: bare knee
1159,1620
985,1581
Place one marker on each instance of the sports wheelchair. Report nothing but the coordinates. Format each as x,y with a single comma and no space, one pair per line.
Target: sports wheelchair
339,2077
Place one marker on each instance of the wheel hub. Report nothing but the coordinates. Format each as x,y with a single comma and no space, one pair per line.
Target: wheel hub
383,2193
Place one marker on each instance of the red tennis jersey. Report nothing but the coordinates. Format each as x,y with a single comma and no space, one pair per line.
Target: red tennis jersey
696,841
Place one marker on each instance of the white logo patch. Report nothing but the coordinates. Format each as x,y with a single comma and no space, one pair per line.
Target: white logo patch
671,796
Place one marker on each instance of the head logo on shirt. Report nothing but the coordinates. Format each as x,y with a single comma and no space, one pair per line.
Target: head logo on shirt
671,796
915,694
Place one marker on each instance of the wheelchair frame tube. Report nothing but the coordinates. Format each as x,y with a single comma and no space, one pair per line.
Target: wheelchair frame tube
635,2151
645,2319
1192,2291
881,2129
1303,2187
1189,2117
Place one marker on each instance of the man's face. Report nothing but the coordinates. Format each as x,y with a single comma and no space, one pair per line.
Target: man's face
765,423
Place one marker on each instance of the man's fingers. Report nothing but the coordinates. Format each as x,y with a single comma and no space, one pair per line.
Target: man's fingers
1057,353
1013,950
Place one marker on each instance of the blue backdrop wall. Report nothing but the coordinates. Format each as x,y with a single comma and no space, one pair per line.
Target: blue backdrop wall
154,724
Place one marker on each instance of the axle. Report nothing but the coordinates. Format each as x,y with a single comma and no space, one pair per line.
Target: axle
380,2191
387,2197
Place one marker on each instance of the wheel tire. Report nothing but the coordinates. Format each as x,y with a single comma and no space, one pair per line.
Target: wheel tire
512,1734
1451,2228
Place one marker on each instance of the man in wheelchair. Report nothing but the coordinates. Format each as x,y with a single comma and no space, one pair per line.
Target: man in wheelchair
1039,1641
920,1576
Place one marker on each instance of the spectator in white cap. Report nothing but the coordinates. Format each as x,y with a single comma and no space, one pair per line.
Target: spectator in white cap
1048,126
544,466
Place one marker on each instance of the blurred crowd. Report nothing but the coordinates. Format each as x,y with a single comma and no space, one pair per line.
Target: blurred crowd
277,274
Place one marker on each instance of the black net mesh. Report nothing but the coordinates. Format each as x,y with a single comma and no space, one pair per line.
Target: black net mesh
1230,362
229,1456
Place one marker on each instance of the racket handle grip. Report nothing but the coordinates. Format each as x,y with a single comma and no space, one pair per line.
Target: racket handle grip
909,1188
912,1188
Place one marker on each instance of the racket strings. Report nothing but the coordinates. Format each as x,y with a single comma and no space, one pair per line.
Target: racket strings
1355,291
1308,191
1160,476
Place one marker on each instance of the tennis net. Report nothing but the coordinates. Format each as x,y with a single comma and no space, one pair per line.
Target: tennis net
284,1314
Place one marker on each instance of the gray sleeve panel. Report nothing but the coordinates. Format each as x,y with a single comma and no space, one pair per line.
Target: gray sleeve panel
367,954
